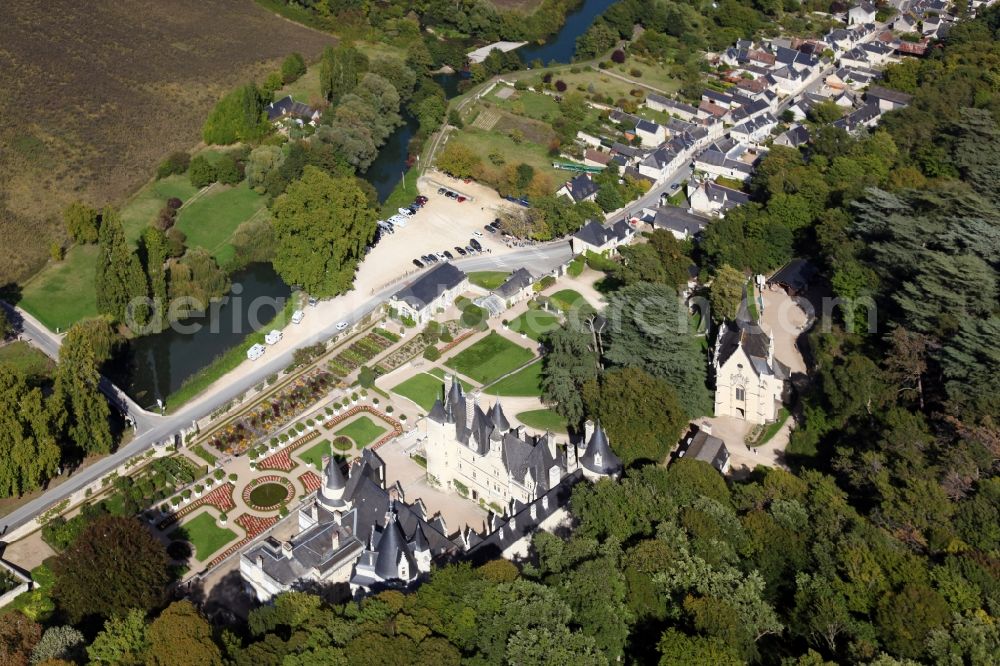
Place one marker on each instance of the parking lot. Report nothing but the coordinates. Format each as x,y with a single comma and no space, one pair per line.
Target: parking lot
440,225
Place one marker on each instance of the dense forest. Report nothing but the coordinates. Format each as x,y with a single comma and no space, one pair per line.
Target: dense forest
882,546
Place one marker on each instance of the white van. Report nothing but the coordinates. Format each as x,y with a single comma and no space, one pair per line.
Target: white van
255,352
297,316
273,337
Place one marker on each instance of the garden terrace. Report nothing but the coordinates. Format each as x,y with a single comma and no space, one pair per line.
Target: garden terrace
254,526
267,493
282,460
221,498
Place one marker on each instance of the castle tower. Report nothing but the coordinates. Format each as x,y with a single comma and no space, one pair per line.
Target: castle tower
598,461
331,494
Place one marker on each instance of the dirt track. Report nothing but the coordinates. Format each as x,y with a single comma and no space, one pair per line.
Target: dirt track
97,93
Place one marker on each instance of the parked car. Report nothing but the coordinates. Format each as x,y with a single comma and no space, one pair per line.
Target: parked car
341,325
441,190
313,301
477,233
405,211
422,199
460,250
471,250
675,186
460,198
418,263
449,255
490,229
451,195
474,243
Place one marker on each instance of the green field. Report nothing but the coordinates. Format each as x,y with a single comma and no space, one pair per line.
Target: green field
542,419
535,323
362,430
204,534
483,142
523,383
488,279
314,455
422,388
63,293
210,221
490,358
567,299
526,103
22,356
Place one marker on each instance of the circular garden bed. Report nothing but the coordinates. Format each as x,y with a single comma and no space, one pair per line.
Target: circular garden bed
268,493
343,443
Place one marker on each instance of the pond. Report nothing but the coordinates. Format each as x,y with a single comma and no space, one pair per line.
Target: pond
154,366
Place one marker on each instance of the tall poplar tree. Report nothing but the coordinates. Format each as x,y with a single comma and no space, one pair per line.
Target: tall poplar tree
120,278
79,408
29,453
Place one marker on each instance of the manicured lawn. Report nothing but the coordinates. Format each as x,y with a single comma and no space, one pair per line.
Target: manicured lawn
567,299
483,142
422,388
314,455
491,357
523,383
142,208
488,279
27,359
542,419
210,221
64,293
204,534
535,323
268,494
362,430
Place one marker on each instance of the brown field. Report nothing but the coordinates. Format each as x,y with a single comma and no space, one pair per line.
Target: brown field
96,93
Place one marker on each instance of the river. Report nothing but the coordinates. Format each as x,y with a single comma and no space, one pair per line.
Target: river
154,366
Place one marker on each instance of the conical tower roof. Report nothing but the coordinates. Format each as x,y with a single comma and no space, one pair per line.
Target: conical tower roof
598,456
331,495
455,393
498,418
392,547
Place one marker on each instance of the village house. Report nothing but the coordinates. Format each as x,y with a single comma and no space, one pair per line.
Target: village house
515,288
754,130
434,290
580,188
861,13
793,137
650,134
599,238
288,108
593,157
886,99
678,221
707,448
680,110
709,198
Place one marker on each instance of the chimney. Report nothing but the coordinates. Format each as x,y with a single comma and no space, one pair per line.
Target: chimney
706,427
335,539
260,561
286,549
588,430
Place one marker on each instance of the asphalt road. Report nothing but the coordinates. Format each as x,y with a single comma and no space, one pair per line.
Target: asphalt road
152,428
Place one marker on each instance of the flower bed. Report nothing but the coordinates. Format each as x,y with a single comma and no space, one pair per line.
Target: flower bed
254,526
277,411
273,479
221,498
461,338
282,460
310,482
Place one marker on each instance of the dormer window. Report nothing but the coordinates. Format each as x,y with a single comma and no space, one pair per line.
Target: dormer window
597,459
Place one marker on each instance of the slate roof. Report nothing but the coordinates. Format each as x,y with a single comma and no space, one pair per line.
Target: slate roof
596,234
707,448
581,187
796,274
517,281
795,136
598,456
678,220
894,96
430,285
286,106
679,107
646,126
